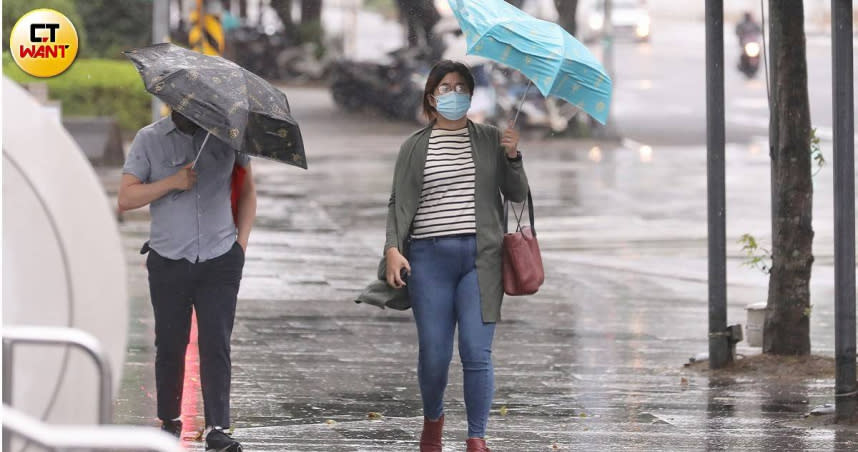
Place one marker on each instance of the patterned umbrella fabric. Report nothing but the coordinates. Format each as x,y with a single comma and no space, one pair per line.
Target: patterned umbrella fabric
558,64
223,98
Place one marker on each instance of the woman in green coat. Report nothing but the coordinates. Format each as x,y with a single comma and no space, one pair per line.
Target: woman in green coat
444,238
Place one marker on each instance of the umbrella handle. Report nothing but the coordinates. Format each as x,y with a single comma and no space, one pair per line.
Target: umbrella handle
521,102
194,165
208,134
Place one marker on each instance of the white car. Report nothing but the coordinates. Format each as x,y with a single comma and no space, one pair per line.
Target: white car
630,20
540,9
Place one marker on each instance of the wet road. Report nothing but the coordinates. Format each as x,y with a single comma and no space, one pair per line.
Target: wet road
660,87
593,362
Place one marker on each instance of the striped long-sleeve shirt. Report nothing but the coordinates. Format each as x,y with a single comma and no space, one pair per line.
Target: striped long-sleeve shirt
447,200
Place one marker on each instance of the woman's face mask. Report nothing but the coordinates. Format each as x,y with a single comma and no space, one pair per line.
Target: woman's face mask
453,105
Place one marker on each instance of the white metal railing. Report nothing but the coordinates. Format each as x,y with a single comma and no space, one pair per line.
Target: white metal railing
46,335
95,437
60,437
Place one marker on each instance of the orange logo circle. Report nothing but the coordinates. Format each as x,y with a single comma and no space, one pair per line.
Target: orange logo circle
44,43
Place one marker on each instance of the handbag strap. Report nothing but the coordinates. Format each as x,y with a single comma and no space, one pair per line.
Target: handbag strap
506,205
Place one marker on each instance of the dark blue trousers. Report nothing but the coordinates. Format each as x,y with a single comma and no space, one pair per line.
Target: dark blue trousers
211,288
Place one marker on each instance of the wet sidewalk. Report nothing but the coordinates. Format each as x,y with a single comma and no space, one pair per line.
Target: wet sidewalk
592,362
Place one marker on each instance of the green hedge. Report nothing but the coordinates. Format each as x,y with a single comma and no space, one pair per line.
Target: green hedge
93,87
387,8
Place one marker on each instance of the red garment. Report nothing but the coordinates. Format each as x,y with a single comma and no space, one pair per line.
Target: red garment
237,182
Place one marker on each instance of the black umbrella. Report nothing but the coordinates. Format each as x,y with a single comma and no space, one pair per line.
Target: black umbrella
223,98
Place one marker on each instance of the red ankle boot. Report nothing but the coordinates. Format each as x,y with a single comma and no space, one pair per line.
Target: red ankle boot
477,445
430,439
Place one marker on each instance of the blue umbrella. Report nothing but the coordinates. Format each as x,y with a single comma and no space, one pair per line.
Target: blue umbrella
558,64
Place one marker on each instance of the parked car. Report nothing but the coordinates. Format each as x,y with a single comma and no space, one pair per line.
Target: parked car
630,20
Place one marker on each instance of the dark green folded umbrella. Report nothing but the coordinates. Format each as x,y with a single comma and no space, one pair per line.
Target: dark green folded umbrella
228,101
379,293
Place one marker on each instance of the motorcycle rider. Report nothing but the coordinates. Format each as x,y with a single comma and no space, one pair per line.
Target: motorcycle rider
747,28
748,31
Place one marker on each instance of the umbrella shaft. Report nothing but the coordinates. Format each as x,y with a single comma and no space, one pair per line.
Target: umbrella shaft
521,102
201,150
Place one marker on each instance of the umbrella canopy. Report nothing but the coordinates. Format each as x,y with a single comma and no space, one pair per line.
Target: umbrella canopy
558,64
231,103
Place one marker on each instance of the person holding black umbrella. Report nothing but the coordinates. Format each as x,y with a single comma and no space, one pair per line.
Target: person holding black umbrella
193,168
196,257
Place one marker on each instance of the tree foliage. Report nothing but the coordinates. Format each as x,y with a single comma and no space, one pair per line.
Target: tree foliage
115,25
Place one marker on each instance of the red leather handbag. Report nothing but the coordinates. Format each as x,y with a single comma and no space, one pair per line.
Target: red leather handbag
236,183
523,272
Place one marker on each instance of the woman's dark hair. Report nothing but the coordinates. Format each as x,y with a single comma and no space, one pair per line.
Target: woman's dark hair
437,74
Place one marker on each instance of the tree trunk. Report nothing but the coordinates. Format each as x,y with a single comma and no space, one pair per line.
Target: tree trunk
311,23
419,16
183,24
787,327
283,8
566,10
311,11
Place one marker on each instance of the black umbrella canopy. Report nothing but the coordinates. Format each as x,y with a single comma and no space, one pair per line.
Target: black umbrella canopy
223,98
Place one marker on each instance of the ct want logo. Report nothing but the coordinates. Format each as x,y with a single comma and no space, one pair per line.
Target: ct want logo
44,43
52,27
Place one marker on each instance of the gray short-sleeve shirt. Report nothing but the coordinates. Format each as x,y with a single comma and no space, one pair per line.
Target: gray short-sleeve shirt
197,224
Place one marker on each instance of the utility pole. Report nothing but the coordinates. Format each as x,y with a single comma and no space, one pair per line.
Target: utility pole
350,27
608,38
609,129
719,340
844,210
160,33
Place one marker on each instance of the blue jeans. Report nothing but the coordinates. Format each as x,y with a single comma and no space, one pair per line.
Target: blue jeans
444,291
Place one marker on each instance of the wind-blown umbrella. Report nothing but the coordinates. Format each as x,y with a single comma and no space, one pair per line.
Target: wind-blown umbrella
228,101
558,64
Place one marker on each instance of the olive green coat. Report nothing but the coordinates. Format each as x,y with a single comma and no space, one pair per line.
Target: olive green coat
495,175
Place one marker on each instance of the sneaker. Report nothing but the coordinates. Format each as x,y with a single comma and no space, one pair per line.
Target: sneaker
218,441
172,427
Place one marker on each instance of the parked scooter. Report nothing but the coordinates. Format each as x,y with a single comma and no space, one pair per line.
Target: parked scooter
278,56
536,111
252,48
394,87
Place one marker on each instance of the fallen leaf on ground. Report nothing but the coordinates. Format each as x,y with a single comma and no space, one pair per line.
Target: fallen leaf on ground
330,422
374,416
503,411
